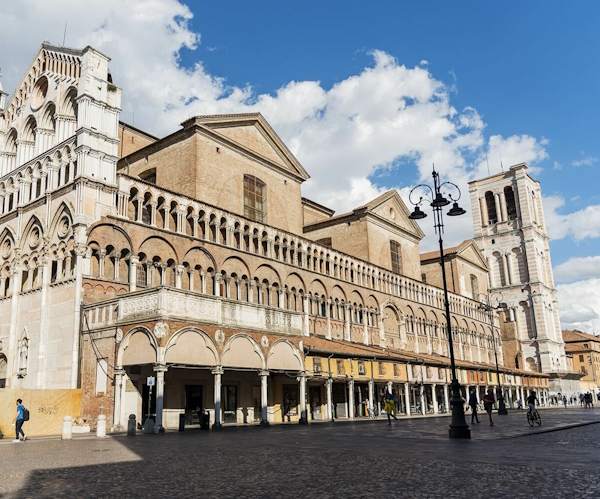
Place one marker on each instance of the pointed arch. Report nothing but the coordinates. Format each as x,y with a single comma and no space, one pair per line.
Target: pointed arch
284,355
138,346
192,346
241,350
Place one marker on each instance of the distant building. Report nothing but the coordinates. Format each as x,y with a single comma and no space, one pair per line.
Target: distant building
585,350
511,233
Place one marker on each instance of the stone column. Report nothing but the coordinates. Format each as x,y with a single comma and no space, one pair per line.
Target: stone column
264,399
303,414
178,273
101,257
160,370
365,325
306,315
446,398
351,398
133,263
371,394
497,204
217,373
490,262
434,399
117,260
407,397
422,399
217,285
251,284
347,316
330,399
118,395
328,317
521,396
503,211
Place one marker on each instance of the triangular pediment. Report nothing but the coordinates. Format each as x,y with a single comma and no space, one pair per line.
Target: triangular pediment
252,133
390,207
469,251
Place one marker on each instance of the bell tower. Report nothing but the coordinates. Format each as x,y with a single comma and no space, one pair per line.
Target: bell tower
510,231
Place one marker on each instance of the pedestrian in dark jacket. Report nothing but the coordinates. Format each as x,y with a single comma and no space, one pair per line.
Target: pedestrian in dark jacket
473,405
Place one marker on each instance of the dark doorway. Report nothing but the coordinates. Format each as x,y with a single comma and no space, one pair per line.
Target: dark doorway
229,401
339,400
193,404
314,393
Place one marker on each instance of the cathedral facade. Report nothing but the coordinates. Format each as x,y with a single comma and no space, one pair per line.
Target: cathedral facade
166,278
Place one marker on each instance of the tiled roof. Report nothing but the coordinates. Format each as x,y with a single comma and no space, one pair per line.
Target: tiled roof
342,348
577,336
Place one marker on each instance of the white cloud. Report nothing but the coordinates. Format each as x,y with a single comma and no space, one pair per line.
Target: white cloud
578,269
579,305
587,161
368,121
579,225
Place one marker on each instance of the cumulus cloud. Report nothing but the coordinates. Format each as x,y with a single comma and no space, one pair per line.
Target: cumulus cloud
579,305
578,269
579,225
384,117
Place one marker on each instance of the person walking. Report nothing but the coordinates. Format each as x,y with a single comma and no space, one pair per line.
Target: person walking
473,405
18,422
565,401
390,408
488,403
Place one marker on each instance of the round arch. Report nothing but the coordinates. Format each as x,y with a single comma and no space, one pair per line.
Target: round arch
241,350
192,346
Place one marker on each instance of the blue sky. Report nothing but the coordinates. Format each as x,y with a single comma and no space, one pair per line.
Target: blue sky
368,96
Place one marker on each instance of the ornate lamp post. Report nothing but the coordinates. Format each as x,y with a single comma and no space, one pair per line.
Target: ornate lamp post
488,303
458,425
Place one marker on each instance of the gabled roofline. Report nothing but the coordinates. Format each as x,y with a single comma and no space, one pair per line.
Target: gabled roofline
367,210
319,207
208,121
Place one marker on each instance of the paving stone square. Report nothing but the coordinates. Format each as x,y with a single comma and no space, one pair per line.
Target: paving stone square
413,459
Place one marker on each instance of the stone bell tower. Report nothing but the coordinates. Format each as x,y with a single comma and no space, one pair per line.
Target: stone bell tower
510,230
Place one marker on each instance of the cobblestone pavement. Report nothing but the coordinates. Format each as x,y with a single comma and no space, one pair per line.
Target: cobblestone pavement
361,459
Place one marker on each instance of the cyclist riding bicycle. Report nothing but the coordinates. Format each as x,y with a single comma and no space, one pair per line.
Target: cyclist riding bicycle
531,400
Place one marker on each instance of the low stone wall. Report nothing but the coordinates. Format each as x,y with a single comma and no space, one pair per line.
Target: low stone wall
47,408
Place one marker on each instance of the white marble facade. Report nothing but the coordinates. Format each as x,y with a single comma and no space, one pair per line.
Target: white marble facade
58,154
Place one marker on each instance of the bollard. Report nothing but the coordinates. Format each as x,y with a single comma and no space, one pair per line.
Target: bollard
67,429
101,426
131,425
149,426
182,422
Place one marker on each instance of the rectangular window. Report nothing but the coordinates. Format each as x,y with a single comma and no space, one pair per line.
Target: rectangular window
317,365
101,376
581,358
361,368
396,255
255,199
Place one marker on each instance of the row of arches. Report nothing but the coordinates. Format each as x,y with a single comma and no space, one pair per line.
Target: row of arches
148,205
32,182
22,266
45,127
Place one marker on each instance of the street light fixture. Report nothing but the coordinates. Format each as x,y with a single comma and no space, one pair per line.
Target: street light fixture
458,425
488,303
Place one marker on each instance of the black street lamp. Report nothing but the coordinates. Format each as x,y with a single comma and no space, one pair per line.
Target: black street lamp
458,425
488,303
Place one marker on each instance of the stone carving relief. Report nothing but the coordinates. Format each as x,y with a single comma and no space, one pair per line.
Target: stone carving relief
441,373
219,336
161,330
119,335
34,238
264,341
429,372
63,227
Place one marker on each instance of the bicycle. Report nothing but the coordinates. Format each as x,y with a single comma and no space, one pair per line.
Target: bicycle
533,418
